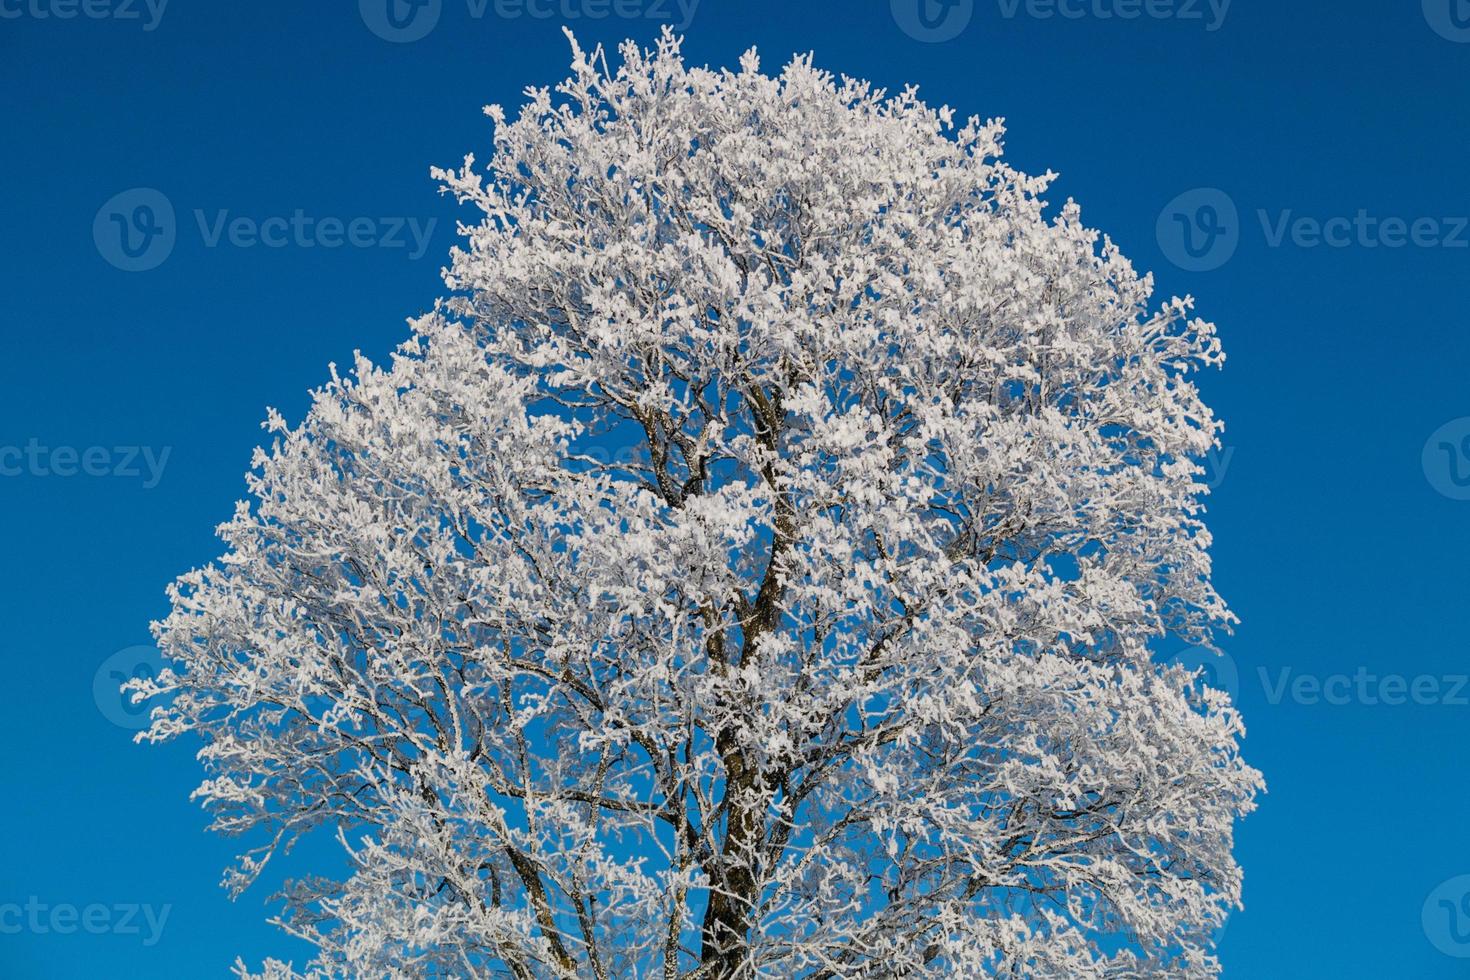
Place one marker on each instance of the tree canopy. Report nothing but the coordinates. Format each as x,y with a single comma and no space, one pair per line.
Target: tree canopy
755,567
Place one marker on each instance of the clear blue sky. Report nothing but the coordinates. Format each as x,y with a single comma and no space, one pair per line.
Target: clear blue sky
1343,554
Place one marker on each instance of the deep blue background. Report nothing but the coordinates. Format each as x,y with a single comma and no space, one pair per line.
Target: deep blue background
1333,544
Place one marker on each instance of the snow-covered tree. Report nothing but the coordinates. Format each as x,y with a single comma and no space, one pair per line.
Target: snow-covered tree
755,568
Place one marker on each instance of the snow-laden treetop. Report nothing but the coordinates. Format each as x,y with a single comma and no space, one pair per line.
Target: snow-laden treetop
751,570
